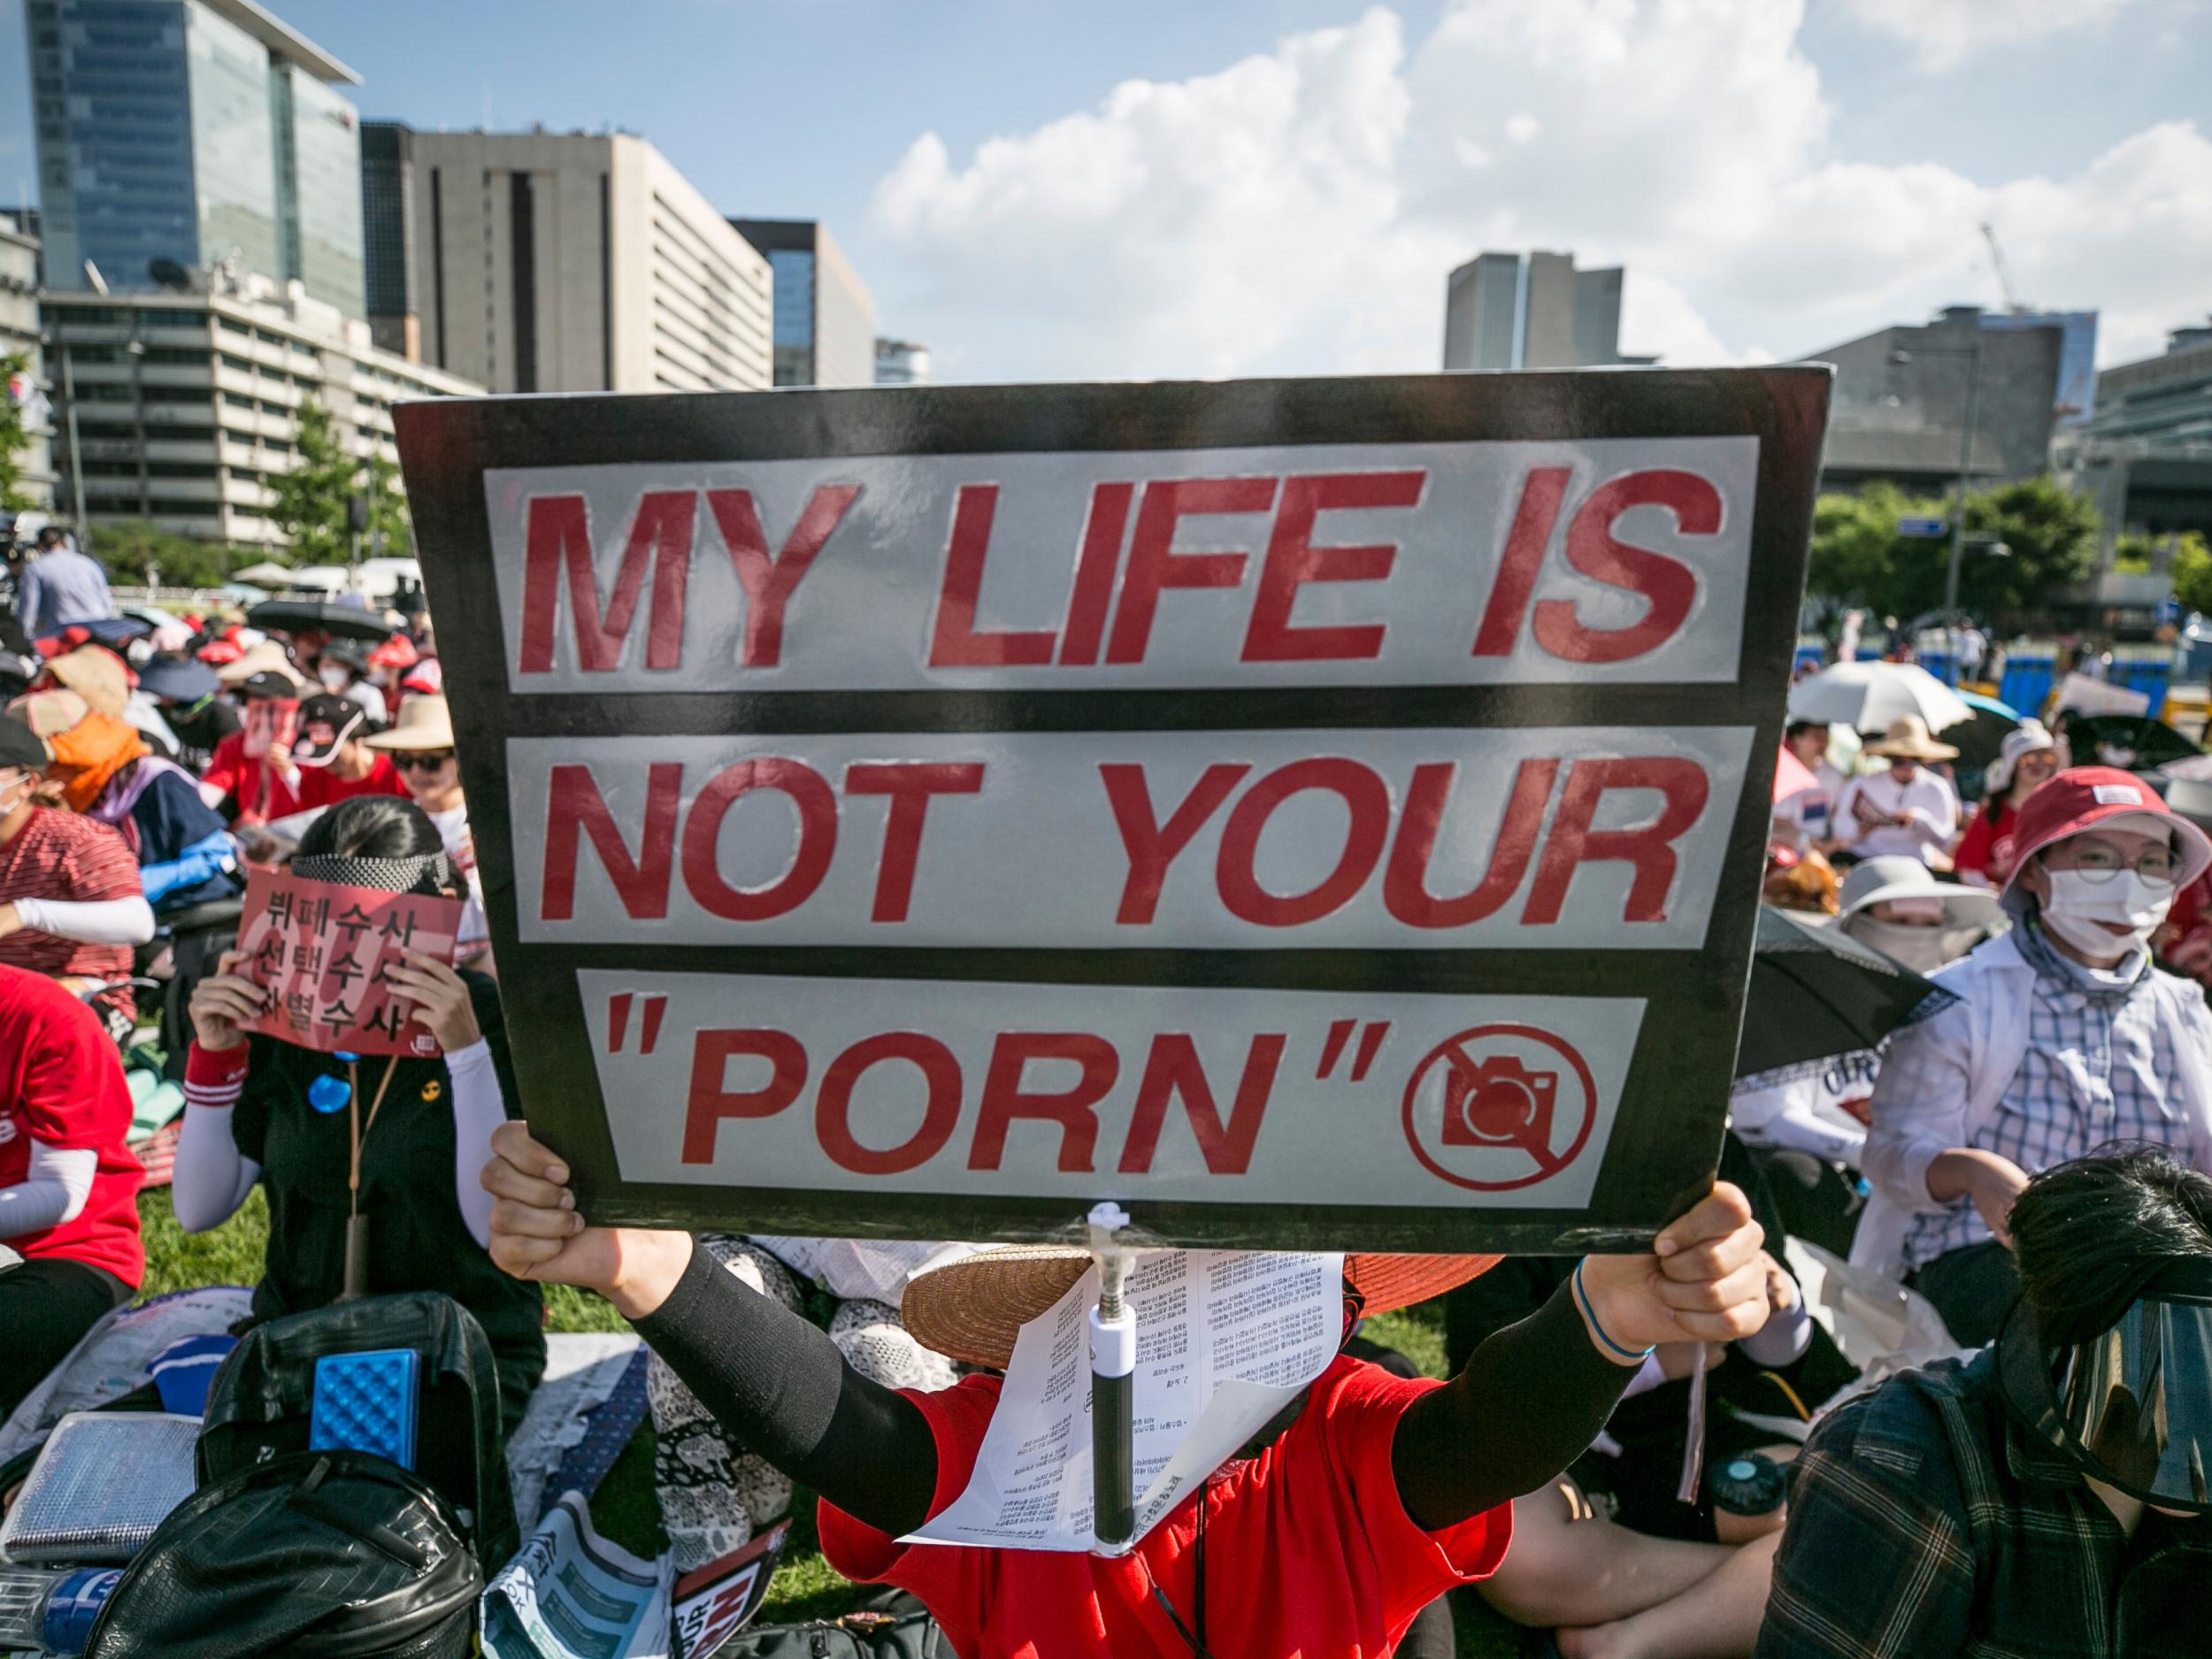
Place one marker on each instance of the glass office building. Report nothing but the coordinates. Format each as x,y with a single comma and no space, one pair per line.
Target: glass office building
195,132
825,321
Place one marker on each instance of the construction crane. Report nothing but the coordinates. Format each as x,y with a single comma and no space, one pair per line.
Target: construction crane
2004,276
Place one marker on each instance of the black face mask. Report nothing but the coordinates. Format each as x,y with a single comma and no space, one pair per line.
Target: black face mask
2132,1406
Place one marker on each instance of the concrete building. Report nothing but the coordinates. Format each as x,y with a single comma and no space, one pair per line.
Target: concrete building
388,232
825,322
902,363
561,262
1504,310
1898,412
192,133
20,330
2146,457
187,403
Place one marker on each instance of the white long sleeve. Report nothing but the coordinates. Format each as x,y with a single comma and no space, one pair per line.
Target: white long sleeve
93,921
210,1179
53,1189
478,1109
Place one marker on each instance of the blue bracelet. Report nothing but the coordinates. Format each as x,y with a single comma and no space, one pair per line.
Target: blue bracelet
1582,1297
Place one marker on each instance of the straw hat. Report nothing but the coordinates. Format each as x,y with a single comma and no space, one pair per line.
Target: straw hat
971,1308
98,675
1907,739
424,723
267,658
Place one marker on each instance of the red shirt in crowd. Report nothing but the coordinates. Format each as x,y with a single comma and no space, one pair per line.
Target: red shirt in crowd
260,794
75,860
1309,1549
61,1084
1985,849
321,786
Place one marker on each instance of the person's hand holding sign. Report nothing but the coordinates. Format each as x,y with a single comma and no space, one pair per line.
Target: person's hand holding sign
1704,1280
224,1004
537,1234
438,998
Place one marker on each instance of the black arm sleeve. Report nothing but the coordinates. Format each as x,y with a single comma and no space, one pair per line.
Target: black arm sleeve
781,1386
1530,1400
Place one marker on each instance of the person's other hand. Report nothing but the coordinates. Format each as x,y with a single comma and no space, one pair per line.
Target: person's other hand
438,999
1781,1288
279,757
1704,1280
537,1234
1991,1179
224,1004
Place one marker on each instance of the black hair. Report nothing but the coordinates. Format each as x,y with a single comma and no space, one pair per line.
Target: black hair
1796,726
375,826
2088,1232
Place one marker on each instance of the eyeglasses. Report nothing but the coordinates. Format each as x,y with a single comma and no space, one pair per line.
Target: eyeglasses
2100,860
422,759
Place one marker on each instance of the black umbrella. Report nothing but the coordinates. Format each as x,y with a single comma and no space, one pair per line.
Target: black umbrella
1817,992
294,616
2140,742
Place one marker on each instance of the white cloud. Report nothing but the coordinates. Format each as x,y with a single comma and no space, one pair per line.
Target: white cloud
1298,210
1945,33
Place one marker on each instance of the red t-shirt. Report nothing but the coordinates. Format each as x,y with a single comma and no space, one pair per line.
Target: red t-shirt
61,1082
260,794
76,861
321,786
1308,1551
1985,849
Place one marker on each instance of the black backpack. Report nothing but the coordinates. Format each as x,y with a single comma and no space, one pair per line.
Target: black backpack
261,1402
310,1555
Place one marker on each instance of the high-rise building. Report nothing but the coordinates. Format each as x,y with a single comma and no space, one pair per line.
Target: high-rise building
2146,457
1503,310
560,262
902,363
20,331
825,322
188,403
192,133
1901,407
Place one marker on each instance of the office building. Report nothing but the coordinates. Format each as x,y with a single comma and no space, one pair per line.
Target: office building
19,338
1505,311
192,133
1900,409
826,323
560,262
2076,395
187,403
902,363
2146,457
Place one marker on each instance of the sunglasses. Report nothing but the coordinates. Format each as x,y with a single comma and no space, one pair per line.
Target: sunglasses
421,759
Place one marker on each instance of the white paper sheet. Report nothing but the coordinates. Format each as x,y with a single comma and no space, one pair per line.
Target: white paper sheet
1226,1338
570,1594
875,1268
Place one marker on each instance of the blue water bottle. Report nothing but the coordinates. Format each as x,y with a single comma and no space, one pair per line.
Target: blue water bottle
52,1611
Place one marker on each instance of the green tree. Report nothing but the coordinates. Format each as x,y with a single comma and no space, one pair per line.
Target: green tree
1853,556
135,552
2192,572
391,533
2052,532
312,498
13,439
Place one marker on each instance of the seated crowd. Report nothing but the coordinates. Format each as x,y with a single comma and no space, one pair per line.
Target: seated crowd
1656,1454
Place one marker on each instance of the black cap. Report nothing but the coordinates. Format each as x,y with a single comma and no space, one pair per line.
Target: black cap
21,747
343,715
268,683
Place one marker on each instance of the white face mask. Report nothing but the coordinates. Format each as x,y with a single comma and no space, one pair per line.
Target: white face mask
1923,950
2076,905
335,678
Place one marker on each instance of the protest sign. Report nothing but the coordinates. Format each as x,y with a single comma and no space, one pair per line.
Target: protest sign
1315,814
324,953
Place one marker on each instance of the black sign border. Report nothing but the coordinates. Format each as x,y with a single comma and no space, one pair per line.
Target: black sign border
1660,1158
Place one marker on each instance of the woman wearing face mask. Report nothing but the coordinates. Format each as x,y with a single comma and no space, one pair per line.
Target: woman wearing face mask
344,671
1894,905
2023,764
2065,1037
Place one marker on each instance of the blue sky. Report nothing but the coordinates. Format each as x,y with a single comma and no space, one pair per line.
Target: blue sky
1290,181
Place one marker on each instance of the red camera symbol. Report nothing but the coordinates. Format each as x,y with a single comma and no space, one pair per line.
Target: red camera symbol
1499,1103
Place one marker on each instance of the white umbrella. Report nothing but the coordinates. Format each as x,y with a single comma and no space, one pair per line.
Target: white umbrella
267,573
1867,696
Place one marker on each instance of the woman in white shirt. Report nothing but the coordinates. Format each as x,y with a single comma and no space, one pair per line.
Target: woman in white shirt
1904,809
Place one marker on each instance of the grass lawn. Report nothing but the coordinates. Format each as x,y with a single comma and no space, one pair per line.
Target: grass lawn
806,1586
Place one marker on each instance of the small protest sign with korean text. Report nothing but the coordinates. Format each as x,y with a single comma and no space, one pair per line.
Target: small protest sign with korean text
324,952
1316,814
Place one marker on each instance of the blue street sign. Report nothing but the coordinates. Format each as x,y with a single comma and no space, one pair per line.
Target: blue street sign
1923,526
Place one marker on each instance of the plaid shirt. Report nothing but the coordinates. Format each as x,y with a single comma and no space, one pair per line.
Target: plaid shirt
2091,1074
1922,1523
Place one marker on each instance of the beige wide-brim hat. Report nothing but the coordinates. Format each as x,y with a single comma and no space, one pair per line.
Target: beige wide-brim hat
98,675
268,657
971,1308
1907,739
424,723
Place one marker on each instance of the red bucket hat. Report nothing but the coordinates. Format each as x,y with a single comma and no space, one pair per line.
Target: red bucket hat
2090,797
